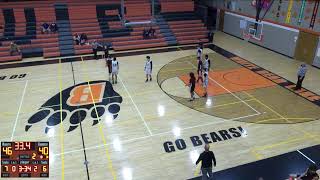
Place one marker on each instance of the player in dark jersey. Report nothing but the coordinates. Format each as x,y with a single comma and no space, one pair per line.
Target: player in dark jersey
199,71
192,85
108,64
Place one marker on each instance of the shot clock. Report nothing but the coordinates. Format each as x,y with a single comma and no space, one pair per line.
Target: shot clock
24,159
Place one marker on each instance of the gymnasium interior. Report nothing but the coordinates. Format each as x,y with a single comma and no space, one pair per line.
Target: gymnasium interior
64,117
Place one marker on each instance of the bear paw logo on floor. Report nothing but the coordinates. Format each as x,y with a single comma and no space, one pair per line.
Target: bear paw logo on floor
78,103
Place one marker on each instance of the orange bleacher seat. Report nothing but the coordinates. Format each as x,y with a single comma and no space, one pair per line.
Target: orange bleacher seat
10,58
83,51
140,46
143,41
51,54
183,22
112,12
50,49
177,6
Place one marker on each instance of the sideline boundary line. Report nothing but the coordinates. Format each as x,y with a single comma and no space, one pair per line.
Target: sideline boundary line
19,109
306,157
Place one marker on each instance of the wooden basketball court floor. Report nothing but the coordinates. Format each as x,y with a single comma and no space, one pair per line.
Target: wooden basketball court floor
150,130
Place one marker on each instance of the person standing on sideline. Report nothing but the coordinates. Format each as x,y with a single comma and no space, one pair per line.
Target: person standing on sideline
106,51
206,63
199,71
148,69
115,70
192,85
301,74
95,46
108,64
206,157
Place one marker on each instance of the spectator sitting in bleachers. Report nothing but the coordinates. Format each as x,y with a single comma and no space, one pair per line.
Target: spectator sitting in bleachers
145,33
83,39
310,174
95,46
152,32
14,48
45,28
76,38
53,27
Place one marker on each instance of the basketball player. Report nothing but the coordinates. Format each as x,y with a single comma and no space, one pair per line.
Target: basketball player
205,83
199,71
108,64
192,85
148,69
115,70
199,52
206,63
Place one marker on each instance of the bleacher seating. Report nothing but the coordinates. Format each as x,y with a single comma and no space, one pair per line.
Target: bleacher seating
175,24
183,22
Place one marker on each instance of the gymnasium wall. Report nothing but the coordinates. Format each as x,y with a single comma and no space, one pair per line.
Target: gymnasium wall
280,7
283,23
283,41
316,61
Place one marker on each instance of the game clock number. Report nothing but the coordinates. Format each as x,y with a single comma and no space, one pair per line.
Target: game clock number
24,159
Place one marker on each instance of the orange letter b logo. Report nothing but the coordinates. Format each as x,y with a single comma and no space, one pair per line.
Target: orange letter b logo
81,95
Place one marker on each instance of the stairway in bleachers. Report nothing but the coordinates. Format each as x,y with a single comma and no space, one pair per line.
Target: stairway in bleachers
9,26
166,31
64,28
157,7
31,23
107,19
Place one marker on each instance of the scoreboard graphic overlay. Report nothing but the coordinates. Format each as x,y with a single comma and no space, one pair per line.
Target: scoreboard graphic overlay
24,159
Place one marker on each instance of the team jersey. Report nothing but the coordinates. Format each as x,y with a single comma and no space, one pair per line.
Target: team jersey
199,52
148,65
207,64
206,80
115,65
200,64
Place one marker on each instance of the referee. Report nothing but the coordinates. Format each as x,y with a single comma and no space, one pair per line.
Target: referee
206,167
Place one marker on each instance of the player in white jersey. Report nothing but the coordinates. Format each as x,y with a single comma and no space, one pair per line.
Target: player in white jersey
199,52
115,70
205,83
148,69
206,63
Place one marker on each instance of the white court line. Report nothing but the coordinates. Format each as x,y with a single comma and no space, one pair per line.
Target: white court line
76,73
306,157
229,92
235,96
17,117
160,134
142,118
